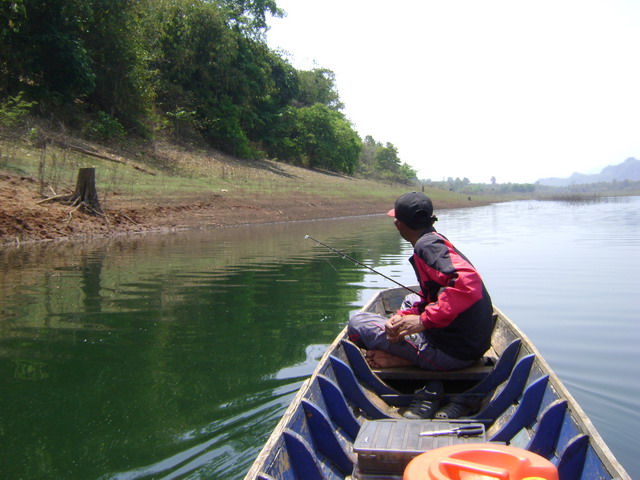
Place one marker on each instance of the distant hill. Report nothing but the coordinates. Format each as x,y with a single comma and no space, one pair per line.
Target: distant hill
627,170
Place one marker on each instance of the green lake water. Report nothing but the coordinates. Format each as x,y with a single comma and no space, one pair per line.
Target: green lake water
173,356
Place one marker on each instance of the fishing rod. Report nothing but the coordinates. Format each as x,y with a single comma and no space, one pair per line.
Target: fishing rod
344,255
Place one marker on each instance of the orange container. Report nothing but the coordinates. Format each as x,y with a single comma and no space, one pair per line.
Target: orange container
480,461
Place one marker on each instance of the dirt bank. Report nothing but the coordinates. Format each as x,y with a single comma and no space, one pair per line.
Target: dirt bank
24,220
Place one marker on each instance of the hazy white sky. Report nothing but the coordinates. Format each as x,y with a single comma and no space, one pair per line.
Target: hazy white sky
519,90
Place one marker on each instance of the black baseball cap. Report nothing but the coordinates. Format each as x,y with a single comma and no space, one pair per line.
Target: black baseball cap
414,209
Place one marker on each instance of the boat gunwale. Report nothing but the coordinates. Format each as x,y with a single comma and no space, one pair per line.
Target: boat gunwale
596,441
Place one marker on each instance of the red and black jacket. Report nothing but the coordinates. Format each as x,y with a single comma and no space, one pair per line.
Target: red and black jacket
455,307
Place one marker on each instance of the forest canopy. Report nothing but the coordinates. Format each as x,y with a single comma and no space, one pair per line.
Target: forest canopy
195,69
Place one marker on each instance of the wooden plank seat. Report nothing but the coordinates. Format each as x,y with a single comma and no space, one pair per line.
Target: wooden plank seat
493,372
475,372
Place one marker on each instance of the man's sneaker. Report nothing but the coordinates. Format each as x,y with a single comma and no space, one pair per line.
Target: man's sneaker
425,401
458,407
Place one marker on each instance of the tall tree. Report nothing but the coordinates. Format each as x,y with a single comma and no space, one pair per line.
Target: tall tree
386,159
88,50
319,137
318,86
250,16
407,172
368,154
233,83
116,40
43,50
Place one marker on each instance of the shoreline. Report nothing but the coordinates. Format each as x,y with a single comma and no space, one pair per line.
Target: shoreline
23,221
165,230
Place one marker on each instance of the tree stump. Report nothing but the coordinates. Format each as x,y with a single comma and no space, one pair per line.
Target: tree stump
86,195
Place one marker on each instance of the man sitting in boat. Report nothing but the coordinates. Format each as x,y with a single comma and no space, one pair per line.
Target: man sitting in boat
448,325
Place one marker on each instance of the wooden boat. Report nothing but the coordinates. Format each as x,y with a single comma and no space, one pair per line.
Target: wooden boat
519,402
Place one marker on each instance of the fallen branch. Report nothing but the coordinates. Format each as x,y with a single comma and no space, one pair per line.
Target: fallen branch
74,210
103,215
130,219
49,199
92,153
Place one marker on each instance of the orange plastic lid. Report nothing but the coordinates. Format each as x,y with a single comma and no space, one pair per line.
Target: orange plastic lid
480,461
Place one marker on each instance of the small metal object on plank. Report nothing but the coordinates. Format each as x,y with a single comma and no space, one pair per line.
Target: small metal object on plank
470,430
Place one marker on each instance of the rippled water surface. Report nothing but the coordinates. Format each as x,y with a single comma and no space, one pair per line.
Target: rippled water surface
173,356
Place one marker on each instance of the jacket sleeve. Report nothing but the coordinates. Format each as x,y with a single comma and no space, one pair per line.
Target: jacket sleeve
414,310
462,285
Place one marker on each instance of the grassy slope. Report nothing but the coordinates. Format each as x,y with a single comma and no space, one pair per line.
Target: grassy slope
165,171
156,185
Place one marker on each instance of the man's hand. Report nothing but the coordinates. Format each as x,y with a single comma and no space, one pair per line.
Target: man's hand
400,325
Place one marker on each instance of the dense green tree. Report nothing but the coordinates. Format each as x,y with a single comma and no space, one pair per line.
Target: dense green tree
382,161
119,51
368,154
319,137
43,50
386,159
250,16
62,52
407,172
318,86
12,17
282,89
193,52
234,84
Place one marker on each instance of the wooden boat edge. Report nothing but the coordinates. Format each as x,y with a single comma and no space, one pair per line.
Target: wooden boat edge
604,453
602,449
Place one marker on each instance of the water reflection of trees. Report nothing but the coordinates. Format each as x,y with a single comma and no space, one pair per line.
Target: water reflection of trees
115,349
